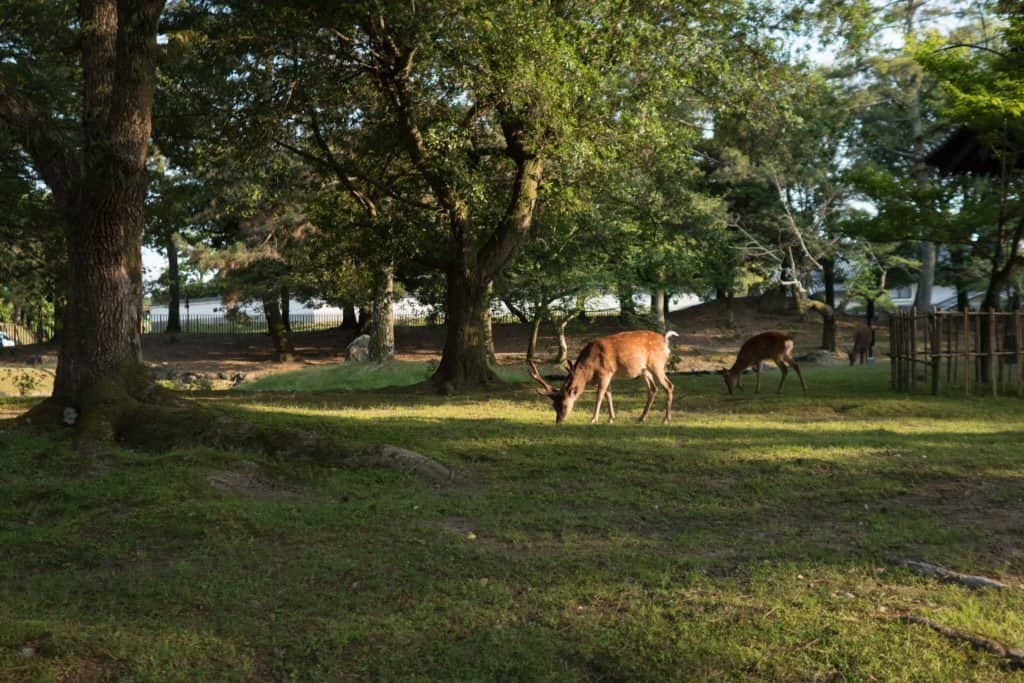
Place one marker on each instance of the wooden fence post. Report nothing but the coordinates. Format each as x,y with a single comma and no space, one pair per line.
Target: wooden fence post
1020,353
967,353
946,330
934,323
992,377
893,339
913,348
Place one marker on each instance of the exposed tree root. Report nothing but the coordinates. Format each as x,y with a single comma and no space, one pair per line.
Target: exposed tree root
1013,656
190,424
161,420
950,575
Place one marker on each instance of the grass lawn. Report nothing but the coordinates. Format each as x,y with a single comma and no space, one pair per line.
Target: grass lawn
751,540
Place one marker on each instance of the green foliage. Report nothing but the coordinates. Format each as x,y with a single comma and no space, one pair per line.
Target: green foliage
748,540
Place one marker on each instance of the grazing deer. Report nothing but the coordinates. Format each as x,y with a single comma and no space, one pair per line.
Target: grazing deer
862,338
776,346
625,355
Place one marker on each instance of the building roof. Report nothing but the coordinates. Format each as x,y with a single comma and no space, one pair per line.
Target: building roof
963,151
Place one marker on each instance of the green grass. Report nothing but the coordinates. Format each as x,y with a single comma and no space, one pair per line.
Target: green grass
750,540
354,377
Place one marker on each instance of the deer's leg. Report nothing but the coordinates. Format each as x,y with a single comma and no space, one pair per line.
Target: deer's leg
799,374
602,389
666,384
652,389
611,408
757,378
785,371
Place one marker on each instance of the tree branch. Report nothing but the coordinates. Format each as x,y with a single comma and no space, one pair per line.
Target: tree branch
52,156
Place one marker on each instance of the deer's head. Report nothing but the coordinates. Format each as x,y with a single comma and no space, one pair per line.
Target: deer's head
730,380
562,400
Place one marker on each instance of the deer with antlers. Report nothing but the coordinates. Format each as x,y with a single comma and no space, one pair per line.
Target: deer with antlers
626,355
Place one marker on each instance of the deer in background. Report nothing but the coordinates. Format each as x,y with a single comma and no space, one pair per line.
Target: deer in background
626,355
776,346
863,337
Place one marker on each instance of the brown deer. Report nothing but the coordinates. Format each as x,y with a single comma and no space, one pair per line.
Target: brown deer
776,346
862,338
640,353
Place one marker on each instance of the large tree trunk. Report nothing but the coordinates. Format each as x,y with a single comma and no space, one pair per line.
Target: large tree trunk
100,359
464,359
925,277
283,349
102,335
173,287
382,329
926,250
349,320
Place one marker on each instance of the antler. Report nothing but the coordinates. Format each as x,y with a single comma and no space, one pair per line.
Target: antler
535,373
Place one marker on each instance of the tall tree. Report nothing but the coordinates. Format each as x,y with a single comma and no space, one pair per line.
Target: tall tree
477,104
898,130
96,172
982,79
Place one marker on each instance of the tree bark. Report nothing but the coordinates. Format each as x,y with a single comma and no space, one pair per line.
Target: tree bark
627,307
563,344
926,276
382,329
283,349
538,317
286,308
349,320
173,287
464,358
492,355
828,328
658,307
100,358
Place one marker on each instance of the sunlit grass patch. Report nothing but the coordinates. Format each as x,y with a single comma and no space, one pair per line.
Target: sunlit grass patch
352,376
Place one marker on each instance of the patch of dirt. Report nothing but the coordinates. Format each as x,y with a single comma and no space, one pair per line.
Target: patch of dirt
25,381
248,481
458,525
705,344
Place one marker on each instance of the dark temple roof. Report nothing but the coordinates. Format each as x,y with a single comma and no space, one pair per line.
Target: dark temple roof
963,152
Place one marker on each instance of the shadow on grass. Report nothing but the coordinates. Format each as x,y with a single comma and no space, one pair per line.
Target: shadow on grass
578,552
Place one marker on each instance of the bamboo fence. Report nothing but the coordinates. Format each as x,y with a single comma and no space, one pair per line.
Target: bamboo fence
977,351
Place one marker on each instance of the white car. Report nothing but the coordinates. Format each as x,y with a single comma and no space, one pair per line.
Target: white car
6,341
